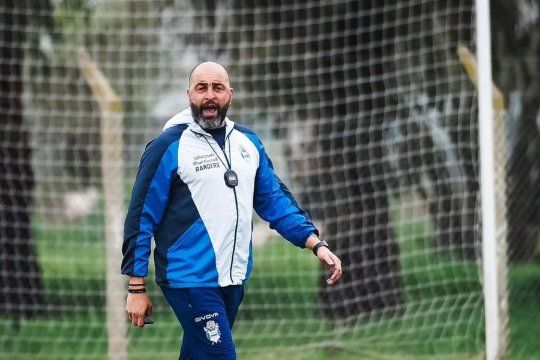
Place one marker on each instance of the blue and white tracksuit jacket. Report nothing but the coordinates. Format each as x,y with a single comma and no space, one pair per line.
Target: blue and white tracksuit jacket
202,228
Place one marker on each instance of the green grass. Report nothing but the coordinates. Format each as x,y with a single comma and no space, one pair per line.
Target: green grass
65,336
278,318
524,287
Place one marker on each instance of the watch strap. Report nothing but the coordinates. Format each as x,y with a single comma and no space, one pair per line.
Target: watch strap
318,245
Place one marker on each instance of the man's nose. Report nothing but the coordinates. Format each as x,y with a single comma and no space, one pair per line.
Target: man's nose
210,94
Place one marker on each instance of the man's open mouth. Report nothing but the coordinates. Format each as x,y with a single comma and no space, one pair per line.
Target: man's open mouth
210,110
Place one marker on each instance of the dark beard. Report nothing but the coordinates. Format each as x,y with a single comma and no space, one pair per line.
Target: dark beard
212,123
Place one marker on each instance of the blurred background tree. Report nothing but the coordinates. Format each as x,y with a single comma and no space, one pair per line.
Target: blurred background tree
21,287
515,32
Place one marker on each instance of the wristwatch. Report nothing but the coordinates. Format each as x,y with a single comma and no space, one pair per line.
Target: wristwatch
318,245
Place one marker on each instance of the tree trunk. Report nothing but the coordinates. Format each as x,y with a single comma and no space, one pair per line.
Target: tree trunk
516,45
357,212
21,288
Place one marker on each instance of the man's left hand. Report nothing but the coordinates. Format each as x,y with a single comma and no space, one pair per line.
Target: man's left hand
331,262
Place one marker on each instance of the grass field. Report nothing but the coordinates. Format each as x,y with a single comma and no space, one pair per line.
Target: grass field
278,320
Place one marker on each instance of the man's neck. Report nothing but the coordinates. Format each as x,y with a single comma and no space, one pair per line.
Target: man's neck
215,130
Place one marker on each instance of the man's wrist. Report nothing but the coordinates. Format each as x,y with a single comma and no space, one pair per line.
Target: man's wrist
319,245
137,290
136,282
311,241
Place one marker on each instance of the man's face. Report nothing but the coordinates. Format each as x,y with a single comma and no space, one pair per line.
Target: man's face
209,95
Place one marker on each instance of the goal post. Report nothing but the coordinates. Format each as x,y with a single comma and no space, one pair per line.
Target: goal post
493,244
496,322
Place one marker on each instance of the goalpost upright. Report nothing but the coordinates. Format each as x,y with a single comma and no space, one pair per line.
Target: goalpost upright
494,267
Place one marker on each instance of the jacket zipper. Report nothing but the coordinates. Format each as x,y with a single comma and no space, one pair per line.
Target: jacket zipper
237,211
235,233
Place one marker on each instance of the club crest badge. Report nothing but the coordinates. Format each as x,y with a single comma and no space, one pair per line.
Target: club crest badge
212,332
244,153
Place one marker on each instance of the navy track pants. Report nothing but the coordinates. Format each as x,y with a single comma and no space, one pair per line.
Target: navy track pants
207,316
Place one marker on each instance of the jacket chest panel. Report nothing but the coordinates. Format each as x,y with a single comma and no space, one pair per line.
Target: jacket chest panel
202,163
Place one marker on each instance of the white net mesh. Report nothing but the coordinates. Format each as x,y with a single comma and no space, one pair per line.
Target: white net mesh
368,115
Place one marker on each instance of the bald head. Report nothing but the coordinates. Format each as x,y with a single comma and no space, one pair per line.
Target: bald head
209,94
209,67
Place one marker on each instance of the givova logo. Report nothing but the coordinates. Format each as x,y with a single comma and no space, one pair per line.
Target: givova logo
206,317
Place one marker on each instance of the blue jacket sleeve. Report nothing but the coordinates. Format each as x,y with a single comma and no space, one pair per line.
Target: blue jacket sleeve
274,203
157,169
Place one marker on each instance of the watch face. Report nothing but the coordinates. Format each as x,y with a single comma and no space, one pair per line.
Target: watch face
319,245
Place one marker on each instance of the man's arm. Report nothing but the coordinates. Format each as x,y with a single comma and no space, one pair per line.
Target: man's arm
274,203
149,199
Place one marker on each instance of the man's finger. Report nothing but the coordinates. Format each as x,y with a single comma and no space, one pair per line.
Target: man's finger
140,321
336,271
333,276
336,275
328,260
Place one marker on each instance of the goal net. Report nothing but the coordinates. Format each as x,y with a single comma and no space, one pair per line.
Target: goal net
370,116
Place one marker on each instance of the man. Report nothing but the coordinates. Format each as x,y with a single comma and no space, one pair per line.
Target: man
196,188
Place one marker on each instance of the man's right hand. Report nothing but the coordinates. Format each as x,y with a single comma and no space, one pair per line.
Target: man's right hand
138,306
